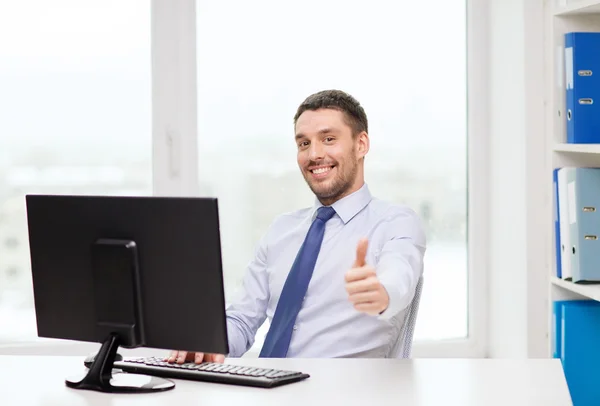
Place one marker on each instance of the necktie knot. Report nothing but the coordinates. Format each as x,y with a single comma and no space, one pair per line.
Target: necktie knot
325,213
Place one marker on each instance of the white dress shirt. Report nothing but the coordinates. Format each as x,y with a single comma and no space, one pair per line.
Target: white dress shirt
328,325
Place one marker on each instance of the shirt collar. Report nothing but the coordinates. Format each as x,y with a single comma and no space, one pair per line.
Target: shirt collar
348,206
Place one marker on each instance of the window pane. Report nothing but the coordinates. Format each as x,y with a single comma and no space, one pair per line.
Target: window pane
405,64
75,117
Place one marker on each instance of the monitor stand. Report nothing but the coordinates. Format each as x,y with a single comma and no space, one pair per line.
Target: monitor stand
102,378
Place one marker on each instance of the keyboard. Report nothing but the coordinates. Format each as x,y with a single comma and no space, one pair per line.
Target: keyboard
211,372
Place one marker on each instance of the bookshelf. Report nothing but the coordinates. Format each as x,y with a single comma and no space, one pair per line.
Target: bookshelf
576,7
564,16
575,290
583,149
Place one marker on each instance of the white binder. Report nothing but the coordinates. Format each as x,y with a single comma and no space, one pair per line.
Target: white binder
564,224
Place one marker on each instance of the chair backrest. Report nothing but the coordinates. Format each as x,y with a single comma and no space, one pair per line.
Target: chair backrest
403,345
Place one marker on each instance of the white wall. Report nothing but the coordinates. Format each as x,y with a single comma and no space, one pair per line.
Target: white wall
507,285
538,180
517,284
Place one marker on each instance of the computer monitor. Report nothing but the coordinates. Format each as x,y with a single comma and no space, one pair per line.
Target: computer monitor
129,272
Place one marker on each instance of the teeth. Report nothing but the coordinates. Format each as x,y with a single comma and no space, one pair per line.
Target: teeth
320,170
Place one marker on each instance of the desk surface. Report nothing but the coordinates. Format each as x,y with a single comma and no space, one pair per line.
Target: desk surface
39,381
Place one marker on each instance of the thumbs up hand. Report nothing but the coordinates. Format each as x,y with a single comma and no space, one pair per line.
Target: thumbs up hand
365,291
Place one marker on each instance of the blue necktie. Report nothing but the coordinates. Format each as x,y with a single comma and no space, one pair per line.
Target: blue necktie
290,301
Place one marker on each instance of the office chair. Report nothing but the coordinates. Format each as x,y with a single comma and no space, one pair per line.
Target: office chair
403,345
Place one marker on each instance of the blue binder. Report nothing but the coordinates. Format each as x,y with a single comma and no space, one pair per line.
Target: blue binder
557,242
579,350
556,332
557,323
564,224
582,71
583,195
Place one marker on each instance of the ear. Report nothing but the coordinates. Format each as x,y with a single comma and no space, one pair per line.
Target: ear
362,144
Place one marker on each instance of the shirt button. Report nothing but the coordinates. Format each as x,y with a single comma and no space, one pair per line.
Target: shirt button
295,327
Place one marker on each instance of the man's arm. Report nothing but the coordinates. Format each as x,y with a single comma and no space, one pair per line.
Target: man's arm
400,263
248,312
387,287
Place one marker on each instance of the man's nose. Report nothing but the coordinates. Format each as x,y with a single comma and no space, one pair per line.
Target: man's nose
316,152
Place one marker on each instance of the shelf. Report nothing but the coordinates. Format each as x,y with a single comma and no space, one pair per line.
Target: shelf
578,148
589,291
579,7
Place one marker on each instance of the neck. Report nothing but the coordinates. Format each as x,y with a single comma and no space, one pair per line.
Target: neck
328,201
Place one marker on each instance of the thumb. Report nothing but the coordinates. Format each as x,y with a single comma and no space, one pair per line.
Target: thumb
361,253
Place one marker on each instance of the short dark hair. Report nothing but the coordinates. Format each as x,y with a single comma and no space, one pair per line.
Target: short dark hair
354,113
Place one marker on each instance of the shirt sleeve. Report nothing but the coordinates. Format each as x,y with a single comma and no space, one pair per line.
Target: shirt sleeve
248,311
400,263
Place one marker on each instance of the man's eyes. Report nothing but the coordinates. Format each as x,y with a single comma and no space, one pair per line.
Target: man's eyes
302,144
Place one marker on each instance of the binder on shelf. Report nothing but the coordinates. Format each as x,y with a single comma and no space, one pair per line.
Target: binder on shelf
555,336
583,207
582,80
563,224
579,350
557,245
557,322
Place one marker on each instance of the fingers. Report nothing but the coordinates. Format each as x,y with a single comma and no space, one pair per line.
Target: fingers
220,358
175,355
357,274
181,357
361,253
199,358
364,297
364,285
372,308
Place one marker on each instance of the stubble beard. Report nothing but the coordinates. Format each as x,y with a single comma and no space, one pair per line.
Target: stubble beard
337,187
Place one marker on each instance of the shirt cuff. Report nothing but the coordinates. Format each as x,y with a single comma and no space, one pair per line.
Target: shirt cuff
400,279
237,342
397,299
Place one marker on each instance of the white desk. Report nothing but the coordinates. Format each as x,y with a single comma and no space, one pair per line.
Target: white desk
39,381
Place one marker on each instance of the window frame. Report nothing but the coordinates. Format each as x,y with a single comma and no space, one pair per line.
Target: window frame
175,157
475,344
174,128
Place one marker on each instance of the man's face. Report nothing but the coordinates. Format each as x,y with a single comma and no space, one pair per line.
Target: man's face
328,155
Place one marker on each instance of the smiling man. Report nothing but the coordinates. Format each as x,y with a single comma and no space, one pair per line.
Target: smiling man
334,279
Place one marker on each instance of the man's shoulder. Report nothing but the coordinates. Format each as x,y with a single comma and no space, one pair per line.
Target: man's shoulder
398,219
392,210
289,219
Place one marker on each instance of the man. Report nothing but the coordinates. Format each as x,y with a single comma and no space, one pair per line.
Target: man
335,279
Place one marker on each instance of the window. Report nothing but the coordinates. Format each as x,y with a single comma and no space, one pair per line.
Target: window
76,118
405,64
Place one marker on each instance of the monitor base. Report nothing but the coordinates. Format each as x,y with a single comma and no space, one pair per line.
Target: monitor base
102,378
